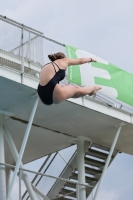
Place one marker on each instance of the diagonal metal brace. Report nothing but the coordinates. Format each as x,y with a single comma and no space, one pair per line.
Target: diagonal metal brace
15,155
108,159
23,147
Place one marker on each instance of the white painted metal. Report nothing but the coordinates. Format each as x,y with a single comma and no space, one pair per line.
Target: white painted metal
81,169
28,186
17,59
77,192
2,160
29,47
16,75
31,30
20,177
40,193
19,25
58,178
54,177
102,108
16,155
108,159
33,83
6,114
8,165
8,178
67,163
66,173
22,55
23,146
50,122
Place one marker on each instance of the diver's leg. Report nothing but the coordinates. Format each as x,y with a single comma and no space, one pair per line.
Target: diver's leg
84,91
62,93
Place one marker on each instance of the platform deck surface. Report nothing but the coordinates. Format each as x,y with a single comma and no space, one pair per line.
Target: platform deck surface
55,126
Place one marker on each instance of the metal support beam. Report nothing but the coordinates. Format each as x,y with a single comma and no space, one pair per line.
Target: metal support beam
29,49
20,177
23,147
108,159
2,160
8,178
40,193
22,55
15,155
77,191
81,169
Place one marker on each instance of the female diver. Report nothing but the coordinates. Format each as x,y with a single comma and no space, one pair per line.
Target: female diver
52,73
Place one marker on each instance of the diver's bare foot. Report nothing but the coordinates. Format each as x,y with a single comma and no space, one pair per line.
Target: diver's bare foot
95,90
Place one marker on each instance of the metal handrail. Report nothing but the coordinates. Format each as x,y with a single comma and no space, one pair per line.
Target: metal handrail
40,171
58,178
13,22
46,175
43,174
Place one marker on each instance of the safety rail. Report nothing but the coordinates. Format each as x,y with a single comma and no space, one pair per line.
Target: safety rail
46,163
95,158
37,191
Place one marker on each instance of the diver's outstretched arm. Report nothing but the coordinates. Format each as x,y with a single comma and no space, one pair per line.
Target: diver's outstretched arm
78,61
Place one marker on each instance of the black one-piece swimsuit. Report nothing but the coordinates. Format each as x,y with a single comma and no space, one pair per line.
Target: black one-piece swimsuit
46,92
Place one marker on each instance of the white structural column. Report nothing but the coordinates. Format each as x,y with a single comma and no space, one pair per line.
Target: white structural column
22,55
2,160
15,155
23,147
81,169
8,178
108,159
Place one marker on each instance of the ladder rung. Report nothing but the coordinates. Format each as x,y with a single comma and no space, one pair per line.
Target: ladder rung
93,162
88,179
68,192
97,154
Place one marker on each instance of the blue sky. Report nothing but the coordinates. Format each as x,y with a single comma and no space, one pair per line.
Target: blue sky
100,27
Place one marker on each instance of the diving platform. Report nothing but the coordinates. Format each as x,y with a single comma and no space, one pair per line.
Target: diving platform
55,126
101,127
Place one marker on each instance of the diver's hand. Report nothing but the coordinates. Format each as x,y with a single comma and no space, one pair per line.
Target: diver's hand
92,60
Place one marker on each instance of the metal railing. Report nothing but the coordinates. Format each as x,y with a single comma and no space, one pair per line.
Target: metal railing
40,193
24,48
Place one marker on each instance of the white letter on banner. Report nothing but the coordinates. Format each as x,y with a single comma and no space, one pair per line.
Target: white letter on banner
88,73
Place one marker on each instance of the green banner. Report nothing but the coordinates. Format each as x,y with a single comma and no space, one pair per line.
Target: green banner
115,82
74,74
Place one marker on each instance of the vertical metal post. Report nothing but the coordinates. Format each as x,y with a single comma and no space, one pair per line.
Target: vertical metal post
22,56
108,160
2,160
15,155
23,146
77,191
81,169
42,52
28,54
20,177
19,51
8,178
29,47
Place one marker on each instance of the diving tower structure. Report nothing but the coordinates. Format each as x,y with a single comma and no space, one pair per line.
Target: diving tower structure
99,127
